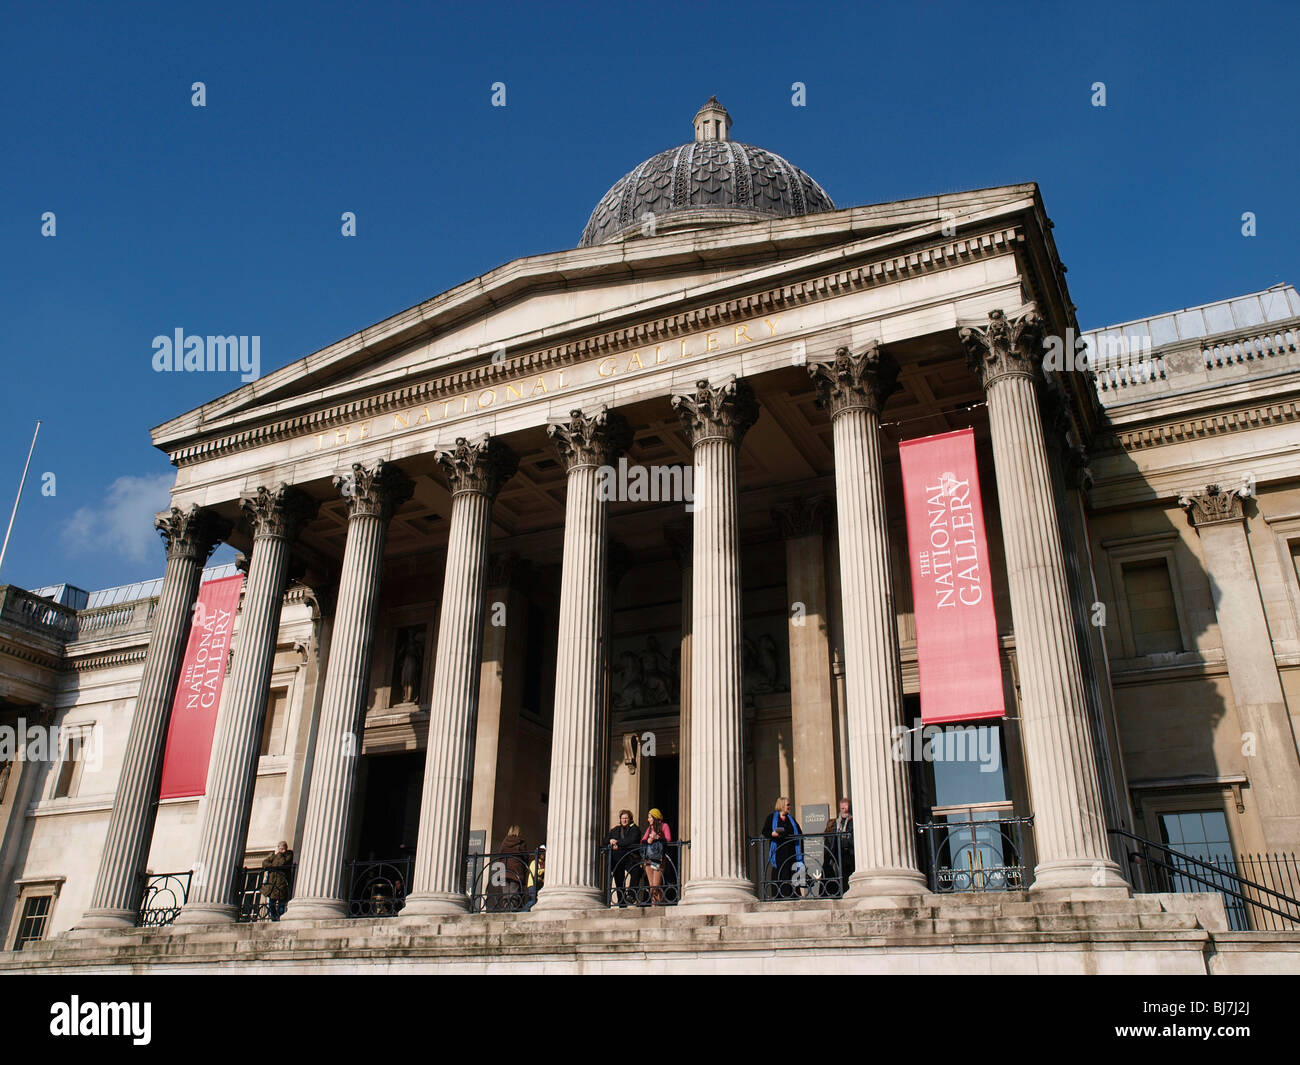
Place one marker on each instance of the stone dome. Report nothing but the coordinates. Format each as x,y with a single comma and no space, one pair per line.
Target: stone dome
712,180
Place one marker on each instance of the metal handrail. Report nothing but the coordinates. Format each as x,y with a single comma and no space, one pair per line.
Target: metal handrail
1186,869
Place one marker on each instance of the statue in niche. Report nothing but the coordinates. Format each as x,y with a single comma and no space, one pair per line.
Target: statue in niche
5,768
408,664
647,678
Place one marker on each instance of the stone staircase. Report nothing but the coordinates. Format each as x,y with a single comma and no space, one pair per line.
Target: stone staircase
1009,933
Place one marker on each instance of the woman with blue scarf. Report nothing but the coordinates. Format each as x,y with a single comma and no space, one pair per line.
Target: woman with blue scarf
784,852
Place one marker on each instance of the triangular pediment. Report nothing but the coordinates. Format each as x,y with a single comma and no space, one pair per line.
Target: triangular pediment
537,303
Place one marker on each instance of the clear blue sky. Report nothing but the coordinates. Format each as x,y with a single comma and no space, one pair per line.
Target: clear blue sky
225,219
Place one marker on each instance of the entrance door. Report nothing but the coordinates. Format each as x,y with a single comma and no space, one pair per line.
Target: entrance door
390,809
662,784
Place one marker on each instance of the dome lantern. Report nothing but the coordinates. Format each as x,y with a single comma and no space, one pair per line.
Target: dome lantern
712,123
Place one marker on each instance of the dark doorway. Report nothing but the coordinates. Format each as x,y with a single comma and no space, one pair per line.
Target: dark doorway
663,784
390,811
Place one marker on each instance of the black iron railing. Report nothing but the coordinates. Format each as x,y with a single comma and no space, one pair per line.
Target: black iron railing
1261,892
975,856
378,888
639,876
162,898
262,892
502,882
811,865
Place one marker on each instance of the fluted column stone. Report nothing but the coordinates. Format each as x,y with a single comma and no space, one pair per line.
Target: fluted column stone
372,495
475,471
1069,816
716,420
854,387
585,444
276,515
190,536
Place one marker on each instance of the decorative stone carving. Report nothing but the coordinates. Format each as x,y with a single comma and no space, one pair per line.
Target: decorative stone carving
590,441
374,492
631,748
678,536
482,465
1006,345
725,412
192,534
1214,505
851,381
647,677
281,511
800,517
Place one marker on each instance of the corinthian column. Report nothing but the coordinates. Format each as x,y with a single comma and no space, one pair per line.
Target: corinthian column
1069,818
276,515
854,388
190,537
716,420
372,496
475,472
575,815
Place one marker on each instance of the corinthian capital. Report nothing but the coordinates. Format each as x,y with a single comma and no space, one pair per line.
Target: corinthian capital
1005,346
482,465
594,441
724,413
1214,505
855,382
374,492
281,511
193,533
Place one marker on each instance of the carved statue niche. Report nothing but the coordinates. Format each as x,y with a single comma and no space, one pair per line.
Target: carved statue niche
408,665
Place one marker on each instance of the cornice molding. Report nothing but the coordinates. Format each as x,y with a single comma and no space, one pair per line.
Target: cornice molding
1184,429
905,264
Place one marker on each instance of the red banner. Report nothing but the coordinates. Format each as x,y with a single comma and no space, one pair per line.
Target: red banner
952,593
198,693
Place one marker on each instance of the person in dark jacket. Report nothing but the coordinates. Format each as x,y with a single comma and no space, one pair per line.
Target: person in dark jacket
784,851
509,880
840,862
625,866
275,884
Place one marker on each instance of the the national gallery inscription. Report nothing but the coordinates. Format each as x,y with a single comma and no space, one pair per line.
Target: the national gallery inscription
548,384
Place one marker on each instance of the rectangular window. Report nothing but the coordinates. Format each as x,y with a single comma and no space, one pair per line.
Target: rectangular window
70,768
277,706
1203,835
1152,612
1295,558
31,927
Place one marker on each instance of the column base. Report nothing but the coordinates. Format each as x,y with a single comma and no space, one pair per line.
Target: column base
1080,878
569,898
435,903
206,913
314,909
879,884
93,920
719,892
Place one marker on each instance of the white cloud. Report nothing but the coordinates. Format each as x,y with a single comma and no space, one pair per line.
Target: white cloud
123,522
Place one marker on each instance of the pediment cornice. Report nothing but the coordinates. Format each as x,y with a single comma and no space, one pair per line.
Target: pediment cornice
877,261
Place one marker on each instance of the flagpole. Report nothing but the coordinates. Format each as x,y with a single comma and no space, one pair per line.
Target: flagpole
14,513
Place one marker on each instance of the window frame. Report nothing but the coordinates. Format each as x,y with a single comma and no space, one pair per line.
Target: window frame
1162,547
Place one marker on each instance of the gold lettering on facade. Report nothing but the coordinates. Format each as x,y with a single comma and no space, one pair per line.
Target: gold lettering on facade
542,385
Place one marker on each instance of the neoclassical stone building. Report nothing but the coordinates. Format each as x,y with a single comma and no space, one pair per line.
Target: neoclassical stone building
620,527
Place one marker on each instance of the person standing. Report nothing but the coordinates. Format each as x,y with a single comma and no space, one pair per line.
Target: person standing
623,840
275,884
842,846
536,876
784,851
654,854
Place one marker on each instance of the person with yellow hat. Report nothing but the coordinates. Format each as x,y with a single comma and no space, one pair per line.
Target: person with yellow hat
654,852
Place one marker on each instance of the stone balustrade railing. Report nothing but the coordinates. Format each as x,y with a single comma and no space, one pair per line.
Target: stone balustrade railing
1126,375
36,614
